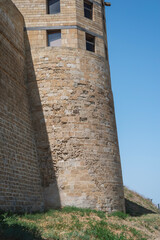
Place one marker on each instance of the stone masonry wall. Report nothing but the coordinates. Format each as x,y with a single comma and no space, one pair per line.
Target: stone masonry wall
72,107
20,184
78,110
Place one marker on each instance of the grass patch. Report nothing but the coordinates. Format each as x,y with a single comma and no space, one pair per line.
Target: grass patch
137,234
119,215
76,223
95,230
12,227
83,211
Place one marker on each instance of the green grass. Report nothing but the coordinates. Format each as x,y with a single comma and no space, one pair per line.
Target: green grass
100,230
74,223
119,215
83,211
12,227
136,234
25,227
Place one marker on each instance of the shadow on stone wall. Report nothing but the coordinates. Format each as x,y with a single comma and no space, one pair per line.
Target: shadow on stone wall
47,170
134,209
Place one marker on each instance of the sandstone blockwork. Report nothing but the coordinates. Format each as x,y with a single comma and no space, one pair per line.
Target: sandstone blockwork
20,182
58,138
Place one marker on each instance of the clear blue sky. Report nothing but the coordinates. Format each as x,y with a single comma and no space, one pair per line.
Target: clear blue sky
134,53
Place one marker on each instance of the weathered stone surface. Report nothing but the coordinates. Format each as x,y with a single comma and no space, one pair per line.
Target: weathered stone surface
72,108
20,183
77,105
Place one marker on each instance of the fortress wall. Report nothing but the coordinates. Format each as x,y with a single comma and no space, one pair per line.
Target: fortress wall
79,116
70,37
94,25
71,100
99,44
72,14
20,184
35,13
38,39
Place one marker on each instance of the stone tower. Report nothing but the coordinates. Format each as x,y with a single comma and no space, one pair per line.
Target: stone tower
71,103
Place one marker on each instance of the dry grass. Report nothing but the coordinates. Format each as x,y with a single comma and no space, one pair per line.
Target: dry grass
140,200
83,224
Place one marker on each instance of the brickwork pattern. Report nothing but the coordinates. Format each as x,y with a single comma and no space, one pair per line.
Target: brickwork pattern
20,183
72,107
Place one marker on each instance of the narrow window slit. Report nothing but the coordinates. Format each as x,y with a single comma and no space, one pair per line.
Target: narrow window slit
88,9
90,43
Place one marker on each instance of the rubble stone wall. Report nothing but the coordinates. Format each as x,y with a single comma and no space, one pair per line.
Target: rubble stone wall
79,116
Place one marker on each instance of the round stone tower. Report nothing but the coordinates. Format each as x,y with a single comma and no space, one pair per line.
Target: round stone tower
72,104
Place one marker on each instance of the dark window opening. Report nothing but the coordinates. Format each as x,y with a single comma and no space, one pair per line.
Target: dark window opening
90,42
106,53
53,6
88,9
54,38
104,22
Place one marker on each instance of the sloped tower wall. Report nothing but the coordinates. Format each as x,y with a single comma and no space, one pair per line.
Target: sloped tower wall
20,182
71,100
